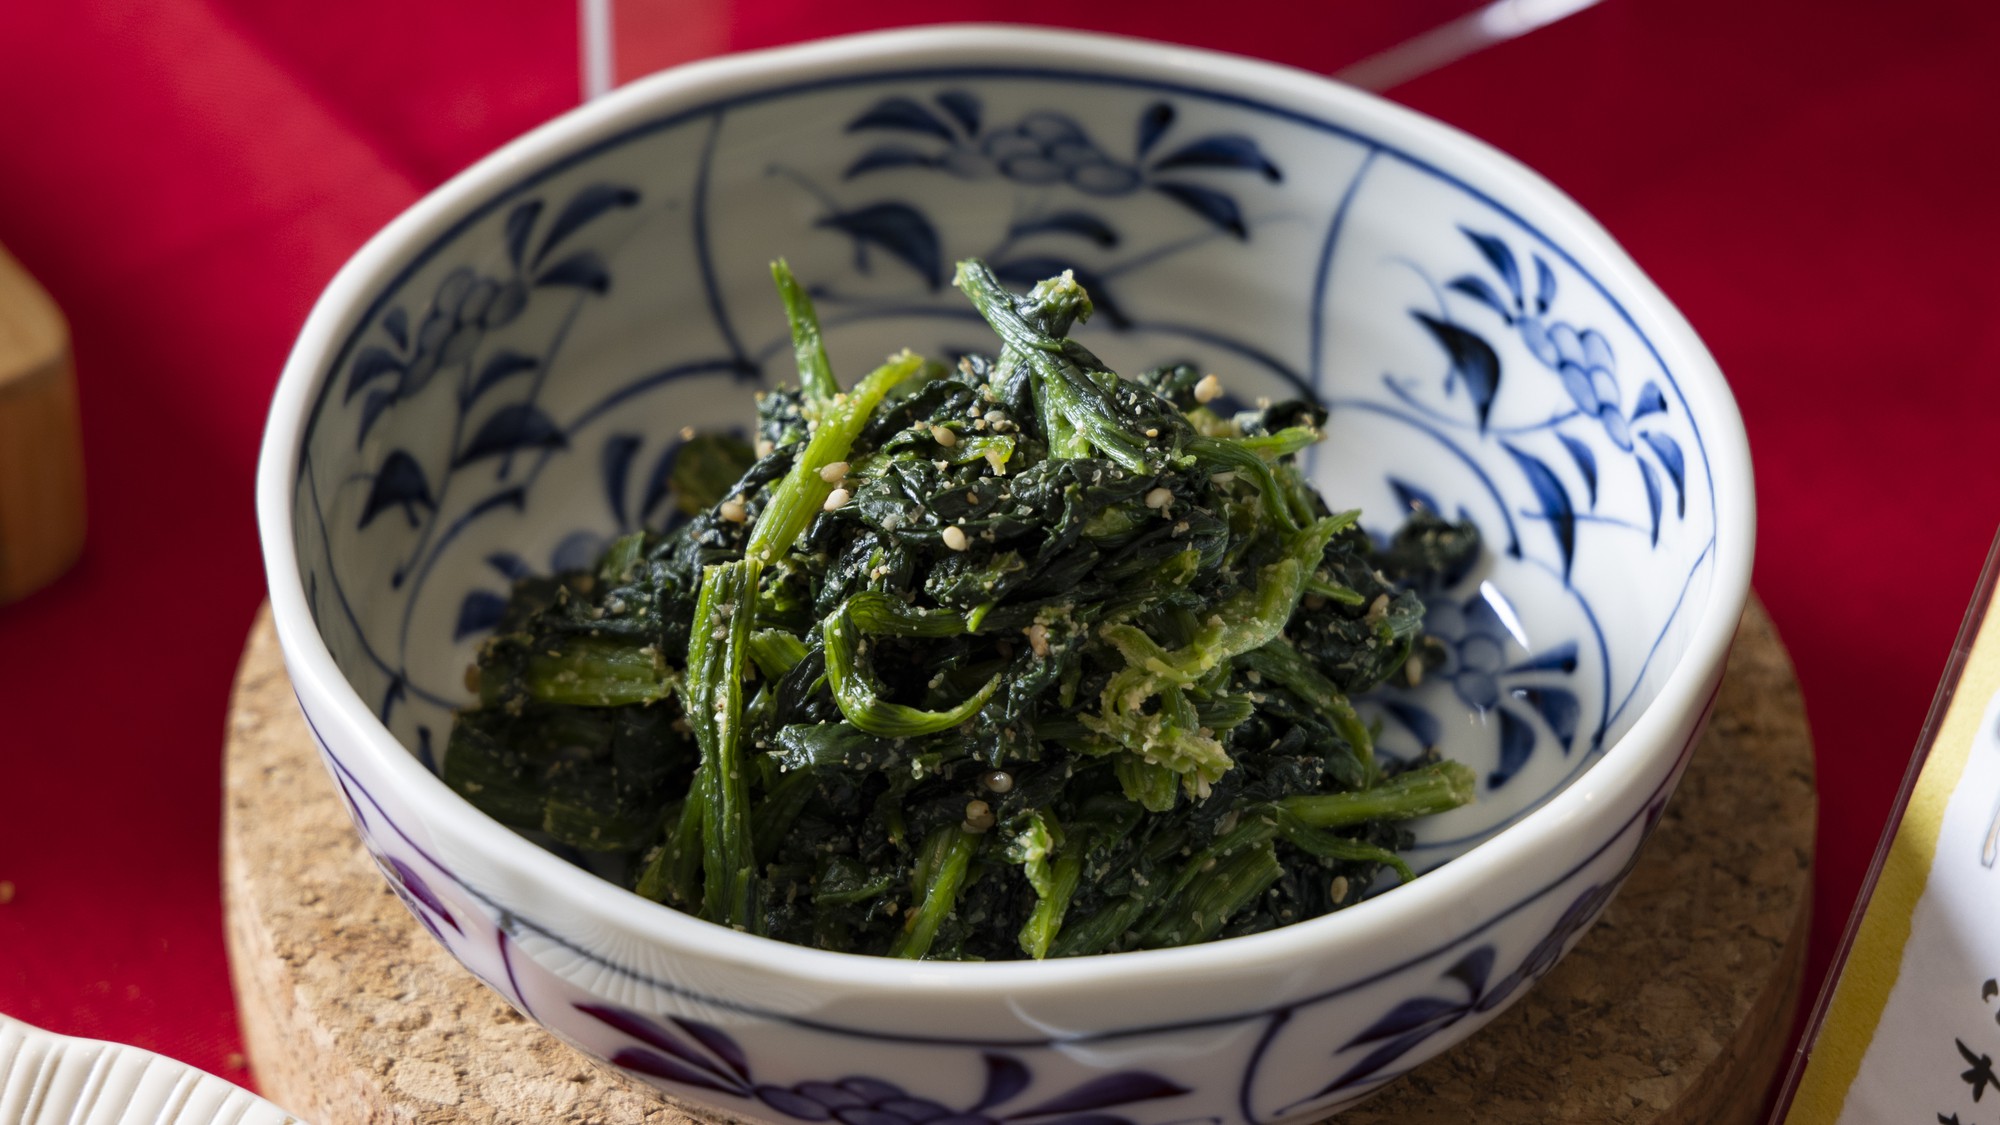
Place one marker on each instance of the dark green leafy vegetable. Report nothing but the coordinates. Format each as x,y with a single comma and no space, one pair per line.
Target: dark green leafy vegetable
1022,659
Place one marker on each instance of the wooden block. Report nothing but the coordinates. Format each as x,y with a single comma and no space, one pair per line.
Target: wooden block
41,442
1672,1011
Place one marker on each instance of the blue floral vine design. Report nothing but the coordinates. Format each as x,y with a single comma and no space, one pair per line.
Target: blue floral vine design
1583,361
706,1057
1471,989
450,337
1043,149
1471,633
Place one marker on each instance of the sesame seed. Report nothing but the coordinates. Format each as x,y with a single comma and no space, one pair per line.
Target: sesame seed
834,473
943,436
1159,498
997,461
836,498
765,447
687,433
999,781
978,816
1038,639
733,510
954,537
996,416
1208,390
1338,888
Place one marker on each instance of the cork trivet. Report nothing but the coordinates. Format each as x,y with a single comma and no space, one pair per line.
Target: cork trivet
1672,1010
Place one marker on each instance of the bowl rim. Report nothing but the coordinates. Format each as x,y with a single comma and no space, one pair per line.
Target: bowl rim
1623,773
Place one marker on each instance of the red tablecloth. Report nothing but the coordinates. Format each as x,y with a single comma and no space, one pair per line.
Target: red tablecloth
1812,181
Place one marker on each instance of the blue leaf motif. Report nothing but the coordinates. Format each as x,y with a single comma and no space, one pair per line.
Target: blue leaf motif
1651,401
480,611
1477,289
1225,150
417,889
578,551
1545,286
509,564
1416,1012
1669,452
653,1035
1652,482
499,367
370,365
1217,208
1417,721
913,1111
1080,223
1517,745
1006,1076
1561,658
400,482
1473,969
832,1095
718,1043
397,325
1378,1058
888,156
616,466
518,425
371,411
900,113
1472,359
660,1066
520,223
582,270
584,206
1554,499
792,1103
873,1089
1496,252
964,108
897,228
1414,499
1558,707
1586,463
1122,1088
1152,124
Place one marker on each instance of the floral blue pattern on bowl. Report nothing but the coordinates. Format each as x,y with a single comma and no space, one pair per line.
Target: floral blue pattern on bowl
506,390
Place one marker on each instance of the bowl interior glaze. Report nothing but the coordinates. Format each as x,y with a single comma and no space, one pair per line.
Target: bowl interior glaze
512,395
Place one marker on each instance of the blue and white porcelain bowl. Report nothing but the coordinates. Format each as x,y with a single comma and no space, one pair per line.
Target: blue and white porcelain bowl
492,387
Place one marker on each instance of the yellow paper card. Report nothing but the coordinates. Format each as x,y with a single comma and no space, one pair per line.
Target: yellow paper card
1908,1031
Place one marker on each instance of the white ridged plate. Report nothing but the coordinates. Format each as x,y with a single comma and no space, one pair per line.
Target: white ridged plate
48,1079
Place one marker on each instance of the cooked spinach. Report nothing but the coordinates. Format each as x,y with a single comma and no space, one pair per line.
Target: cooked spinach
1016,658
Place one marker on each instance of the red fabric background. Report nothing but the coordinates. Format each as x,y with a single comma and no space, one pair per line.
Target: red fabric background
1811,181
